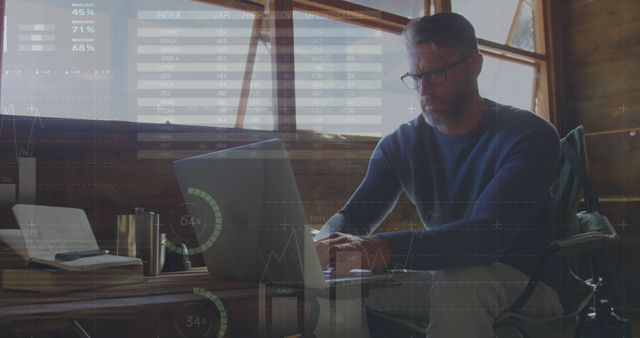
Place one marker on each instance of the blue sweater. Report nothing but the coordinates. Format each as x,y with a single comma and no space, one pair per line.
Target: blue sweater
482,196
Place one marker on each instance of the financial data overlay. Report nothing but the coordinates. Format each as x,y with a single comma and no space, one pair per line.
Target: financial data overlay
191,63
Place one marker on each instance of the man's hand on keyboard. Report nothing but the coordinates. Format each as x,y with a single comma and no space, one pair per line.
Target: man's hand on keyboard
346,252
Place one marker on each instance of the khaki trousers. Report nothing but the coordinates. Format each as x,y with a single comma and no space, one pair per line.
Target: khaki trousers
464,301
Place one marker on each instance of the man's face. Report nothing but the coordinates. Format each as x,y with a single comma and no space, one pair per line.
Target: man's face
443,104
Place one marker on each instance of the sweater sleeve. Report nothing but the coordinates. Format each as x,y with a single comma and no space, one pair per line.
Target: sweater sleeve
371,202
508,204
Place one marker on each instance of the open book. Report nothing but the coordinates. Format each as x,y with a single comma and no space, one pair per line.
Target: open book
45,231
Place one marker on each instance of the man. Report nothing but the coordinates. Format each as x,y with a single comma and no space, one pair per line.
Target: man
478,173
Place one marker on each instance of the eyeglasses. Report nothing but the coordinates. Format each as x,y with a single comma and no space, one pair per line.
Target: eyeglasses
435,77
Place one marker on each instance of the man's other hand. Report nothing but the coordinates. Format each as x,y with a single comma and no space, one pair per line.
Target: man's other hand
346,252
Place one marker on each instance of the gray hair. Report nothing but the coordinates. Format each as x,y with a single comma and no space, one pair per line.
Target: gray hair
443,29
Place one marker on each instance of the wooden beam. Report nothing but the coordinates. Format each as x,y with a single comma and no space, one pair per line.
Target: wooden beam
427,7
614,131
539,27
353,13
234,4
514,53
499,56
2,42
514,23
248,70
442,6
535,91
282,64
553,73
545,94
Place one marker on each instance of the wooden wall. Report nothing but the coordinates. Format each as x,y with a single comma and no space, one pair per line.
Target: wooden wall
603,77
108,168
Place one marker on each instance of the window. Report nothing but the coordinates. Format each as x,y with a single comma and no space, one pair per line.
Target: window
507,82
512,78
56,60
259,114
508,22
143,60
208,63
188,69
348,78
406,8
511,37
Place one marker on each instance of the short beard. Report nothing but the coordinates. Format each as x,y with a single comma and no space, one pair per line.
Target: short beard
444,119
449,116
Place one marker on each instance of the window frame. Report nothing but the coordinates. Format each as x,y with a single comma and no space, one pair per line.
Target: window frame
546,60
548,84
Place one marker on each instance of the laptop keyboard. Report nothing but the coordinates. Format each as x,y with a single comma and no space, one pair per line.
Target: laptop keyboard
351,274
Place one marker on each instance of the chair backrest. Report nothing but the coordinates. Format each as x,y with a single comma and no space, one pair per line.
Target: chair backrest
568,187
571,184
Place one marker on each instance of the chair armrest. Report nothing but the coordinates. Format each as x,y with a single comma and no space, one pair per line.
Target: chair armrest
598,232
579,243
593,221
566,246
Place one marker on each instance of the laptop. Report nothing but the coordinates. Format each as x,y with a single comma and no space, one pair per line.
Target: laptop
249,220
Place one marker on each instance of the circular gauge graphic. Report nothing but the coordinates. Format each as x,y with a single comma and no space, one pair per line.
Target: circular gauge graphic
204,217
181,223
195,320
201,320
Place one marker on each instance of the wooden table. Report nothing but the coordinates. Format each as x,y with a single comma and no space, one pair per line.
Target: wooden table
168,305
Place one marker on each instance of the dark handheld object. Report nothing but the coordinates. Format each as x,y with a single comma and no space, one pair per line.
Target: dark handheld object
175,261
73,255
